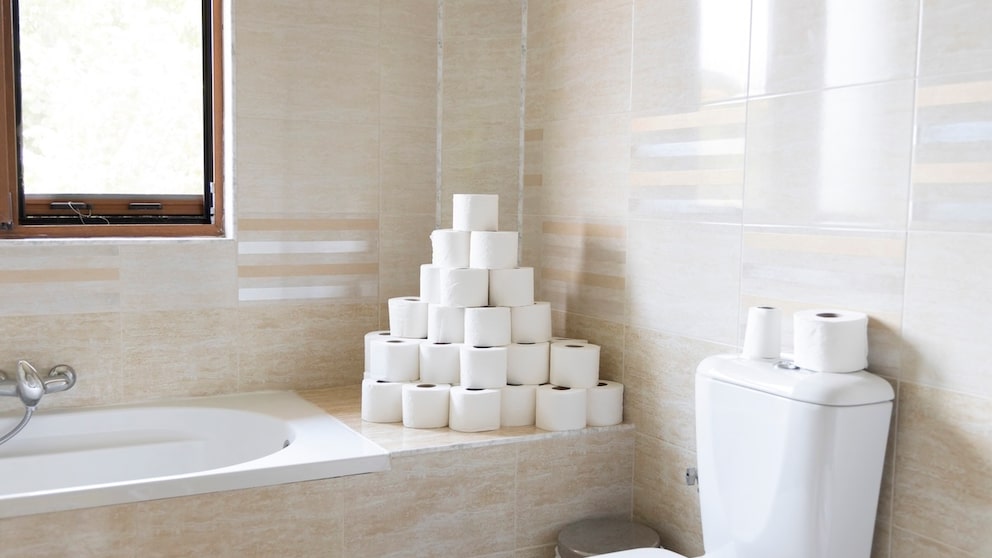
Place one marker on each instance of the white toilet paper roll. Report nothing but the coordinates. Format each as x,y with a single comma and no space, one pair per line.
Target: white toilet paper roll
408,317
568,340
369,337
511,287
560,408
604,404
450,248
483,367
493,249
531,324
464,287
517,405
527,363
440,363
473,409
425,405
395,360
763,333
830,340
430,283
574,365
488,326
475,212
445,324
382,401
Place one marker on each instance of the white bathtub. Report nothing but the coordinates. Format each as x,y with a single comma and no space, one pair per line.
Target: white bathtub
77,458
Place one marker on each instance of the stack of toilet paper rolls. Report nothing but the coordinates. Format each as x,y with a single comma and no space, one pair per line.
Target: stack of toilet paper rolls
474,351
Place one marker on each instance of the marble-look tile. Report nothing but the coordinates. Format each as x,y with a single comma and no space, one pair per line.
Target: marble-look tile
546,551
661,498
355,14
326,167
945,321
294,345
449,503
659,378
811,45
416,17
52,279
582,267
568,478
306,72
176,353
106,532
178,276
834,158
405,245
481,79
797,269
881,542
944,435
587,53
407,170
711,37
952,174
688,166
90,343
482,158
906,544
482,18
954,37
684,278
408,74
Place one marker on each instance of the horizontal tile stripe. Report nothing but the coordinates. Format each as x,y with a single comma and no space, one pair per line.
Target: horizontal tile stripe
308,224
533,180
952,173
704,177
293,293
536,134
954,94
820,244
58,275
308,270
697,119
303,247
583,229
578,277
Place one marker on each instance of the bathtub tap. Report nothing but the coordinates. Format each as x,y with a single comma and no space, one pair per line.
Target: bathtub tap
29,387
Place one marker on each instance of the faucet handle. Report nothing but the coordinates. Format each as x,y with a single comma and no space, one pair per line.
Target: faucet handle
60,378
30,388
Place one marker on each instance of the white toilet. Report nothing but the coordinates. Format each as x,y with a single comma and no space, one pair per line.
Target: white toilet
790,461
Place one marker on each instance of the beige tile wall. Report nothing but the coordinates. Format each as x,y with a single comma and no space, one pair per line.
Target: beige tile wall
800,154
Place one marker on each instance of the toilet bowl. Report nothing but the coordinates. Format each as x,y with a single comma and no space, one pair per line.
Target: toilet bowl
789,460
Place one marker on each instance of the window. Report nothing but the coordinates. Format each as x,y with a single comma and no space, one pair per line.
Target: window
111,118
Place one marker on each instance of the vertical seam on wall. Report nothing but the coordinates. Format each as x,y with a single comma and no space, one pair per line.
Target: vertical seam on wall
522,123
739,341
438,157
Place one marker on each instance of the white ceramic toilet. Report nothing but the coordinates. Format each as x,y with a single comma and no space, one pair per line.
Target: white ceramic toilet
790,461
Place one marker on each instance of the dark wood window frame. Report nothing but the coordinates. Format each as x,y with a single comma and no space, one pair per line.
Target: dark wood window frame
130,216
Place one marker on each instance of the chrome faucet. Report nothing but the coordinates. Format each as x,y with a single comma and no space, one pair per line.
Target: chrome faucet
29,386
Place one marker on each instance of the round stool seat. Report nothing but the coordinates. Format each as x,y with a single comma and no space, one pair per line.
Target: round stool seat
591,537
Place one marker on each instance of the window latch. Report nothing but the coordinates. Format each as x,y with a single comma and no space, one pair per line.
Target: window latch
144,206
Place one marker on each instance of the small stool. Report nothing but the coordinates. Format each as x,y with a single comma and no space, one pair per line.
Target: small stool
591,537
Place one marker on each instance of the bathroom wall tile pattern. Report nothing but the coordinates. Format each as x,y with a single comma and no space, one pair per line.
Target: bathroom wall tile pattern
34,279
954,37
582,267
661,498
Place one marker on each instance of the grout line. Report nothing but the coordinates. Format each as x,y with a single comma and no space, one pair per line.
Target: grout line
522,123
439,116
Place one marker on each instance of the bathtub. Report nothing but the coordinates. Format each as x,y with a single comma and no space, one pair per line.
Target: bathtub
78,458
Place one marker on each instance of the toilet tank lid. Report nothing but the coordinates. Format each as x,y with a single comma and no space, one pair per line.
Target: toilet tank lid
819,388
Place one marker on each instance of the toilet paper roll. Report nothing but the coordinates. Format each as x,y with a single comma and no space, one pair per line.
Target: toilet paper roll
475,212
560,408
395,360
473,409
464,287
604,404
527,363
382,401
445,324
425,405
369,337
568,340
830,340
430,283
763,333
511,287
440,363
482,367
574,365
531,324
449,248
487,326
493,249
408,317
517,405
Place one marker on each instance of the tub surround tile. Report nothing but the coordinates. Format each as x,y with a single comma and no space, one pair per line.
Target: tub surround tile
106,532
945,320
906,544
53,279
407,170
817,44
712,39
836,158
943,435
661,498
178,276
954,37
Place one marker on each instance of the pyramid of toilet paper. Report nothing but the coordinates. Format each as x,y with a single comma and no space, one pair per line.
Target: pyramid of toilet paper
474,351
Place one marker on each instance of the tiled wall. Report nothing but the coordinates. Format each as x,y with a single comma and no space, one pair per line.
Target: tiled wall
686,160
